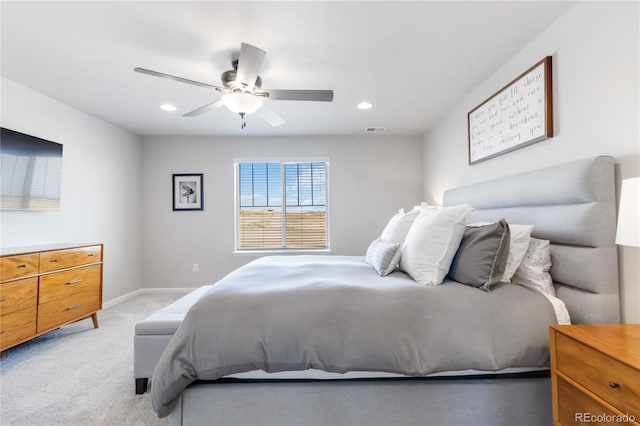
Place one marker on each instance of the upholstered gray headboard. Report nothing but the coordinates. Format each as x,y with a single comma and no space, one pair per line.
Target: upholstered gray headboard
573,206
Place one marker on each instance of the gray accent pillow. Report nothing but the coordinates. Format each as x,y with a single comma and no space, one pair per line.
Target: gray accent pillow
482,255
384,256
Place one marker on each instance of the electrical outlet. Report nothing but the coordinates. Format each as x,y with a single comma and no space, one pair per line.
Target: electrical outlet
195,267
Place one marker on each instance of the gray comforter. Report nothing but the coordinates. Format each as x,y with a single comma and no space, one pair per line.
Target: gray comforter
334,313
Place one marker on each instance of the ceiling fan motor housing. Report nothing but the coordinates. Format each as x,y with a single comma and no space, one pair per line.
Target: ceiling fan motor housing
229,78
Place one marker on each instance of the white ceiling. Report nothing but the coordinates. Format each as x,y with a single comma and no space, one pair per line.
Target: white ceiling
412,60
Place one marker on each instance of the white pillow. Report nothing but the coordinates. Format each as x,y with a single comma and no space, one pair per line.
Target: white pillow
432,242
518,245
423,205
398,226
533,272
383,256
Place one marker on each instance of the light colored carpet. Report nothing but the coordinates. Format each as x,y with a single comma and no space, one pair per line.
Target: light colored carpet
78,375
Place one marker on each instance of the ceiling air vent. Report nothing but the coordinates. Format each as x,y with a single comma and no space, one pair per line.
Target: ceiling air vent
374,129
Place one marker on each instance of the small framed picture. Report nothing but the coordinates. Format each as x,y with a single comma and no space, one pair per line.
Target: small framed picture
187,192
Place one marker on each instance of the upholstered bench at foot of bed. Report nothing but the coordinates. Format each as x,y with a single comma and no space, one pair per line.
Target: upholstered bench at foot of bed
154,333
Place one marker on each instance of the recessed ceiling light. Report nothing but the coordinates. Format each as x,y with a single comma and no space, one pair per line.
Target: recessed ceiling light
168,107
364,105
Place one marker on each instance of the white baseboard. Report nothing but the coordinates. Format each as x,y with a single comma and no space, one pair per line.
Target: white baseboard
125,297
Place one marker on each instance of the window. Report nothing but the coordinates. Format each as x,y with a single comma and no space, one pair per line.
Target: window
281,205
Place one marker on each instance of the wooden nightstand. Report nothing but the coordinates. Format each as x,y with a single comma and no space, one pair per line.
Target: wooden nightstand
595,374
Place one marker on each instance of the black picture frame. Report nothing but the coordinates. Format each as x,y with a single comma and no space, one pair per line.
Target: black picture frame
187,191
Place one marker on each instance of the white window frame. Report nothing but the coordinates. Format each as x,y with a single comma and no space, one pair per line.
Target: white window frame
236,203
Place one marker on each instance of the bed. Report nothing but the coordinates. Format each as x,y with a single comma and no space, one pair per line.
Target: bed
488,354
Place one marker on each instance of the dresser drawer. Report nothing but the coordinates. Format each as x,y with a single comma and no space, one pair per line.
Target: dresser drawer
17,295
61,259
22,265
614,382
71,282
60,311
17,327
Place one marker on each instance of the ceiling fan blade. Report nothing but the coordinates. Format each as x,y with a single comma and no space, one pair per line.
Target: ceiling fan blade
249,64
270,116
175,78
297,95
205,108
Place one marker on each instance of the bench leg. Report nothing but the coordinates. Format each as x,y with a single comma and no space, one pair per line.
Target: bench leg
141,385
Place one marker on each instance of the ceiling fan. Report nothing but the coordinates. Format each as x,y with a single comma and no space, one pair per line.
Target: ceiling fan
242,88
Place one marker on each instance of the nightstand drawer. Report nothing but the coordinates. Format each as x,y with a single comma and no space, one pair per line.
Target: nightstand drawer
58,311
68,283
21,265
17,327
575,406
609,379
61,259
17,295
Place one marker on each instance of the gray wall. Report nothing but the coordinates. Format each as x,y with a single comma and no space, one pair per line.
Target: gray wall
370,178
595,49
100,186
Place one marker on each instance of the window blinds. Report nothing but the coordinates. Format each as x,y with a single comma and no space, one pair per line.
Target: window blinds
281,205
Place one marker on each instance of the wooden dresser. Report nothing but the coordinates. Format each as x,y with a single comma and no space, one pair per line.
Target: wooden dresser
45,287
595,374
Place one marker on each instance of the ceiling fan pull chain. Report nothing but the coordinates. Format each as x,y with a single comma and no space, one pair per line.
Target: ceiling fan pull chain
244,123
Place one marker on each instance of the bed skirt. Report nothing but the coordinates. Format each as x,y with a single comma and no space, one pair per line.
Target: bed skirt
523,399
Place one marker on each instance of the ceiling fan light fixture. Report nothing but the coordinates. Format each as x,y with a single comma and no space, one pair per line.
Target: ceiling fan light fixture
364,105
168,107
242,102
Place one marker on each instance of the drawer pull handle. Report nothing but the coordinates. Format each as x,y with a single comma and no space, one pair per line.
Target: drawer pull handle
73,282
2,299
70,308
54,260
21,266
90,255
614,385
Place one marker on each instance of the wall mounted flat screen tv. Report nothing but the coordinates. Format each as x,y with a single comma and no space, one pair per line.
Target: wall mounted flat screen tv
31,172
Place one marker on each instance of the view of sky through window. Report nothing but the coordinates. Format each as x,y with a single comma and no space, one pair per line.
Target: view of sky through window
260,185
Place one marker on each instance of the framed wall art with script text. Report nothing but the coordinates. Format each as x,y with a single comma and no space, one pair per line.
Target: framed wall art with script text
519,114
